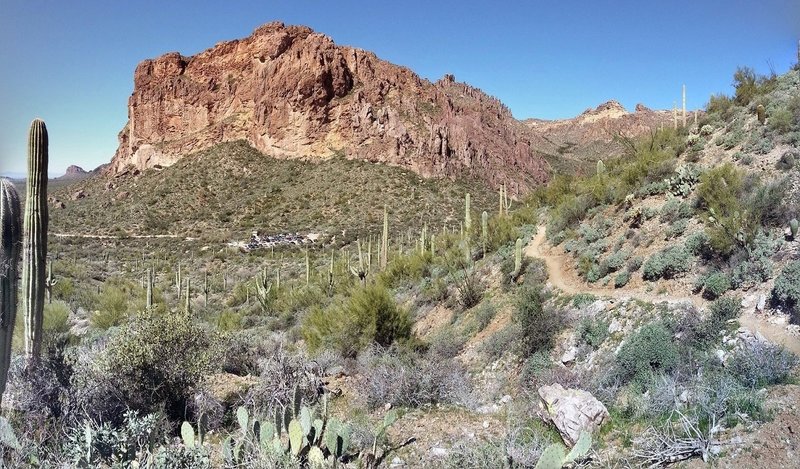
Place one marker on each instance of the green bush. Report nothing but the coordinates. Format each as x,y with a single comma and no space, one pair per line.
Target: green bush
715,285
580,300
725,308
114,306
622,279
159,360
673,210
786,291
370,315
667,263
538,324
592,331
650,349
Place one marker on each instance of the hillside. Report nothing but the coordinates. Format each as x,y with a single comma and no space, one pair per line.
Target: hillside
230,190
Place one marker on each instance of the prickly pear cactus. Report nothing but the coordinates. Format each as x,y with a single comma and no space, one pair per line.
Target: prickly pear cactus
552,457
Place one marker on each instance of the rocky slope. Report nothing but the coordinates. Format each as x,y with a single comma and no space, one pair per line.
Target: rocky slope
594,134
293,93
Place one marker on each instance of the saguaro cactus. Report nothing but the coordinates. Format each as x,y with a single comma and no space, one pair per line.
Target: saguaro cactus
385,239
467,214
10,244
149,300
188,304
601,167
34,243
484,231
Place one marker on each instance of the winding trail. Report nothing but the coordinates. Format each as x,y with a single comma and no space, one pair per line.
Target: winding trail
562,278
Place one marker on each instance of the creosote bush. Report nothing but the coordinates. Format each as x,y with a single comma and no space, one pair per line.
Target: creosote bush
538,324
369,315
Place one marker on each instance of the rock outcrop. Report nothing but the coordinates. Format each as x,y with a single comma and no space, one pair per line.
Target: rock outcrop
572,411
293,93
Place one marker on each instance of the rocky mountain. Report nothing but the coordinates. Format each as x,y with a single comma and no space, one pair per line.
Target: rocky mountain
293,93
75,172
596,133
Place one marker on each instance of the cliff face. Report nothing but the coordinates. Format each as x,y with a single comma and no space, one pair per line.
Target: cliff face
293,93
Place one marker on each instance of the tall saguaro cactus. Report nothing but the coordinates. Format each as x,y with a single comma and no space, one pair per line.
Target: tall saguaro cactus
34,243
467,214
10,244
385,239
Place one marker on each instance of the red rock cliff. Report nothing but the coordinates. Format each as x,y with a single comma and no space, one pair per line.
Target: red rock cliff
293,93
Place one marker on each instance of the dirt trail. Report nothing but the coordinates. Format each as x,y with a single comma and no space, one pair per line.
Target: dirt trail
561,278
77,235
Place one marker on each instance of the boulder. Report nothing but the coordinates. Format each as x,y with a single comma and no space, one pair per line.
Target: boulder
571,411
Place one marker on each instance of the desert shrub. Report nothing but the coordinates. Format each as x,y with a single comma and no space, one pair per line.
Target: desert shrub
579,300
674,209
676,229
650,349
781,121
113,306
715,285
538,324
719,194
616,261
622,279
786,291
404,269
592,331
409,379
473,454
447,344
760,363
765,202
280,374
753,265
244,349
698,244
667,263
469,287
369,315
160,360
725,308
110,446
484,315
635,263
721,105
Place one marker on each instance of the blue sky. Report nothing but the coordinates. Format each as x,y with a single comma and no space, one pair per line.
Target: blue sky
71,63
